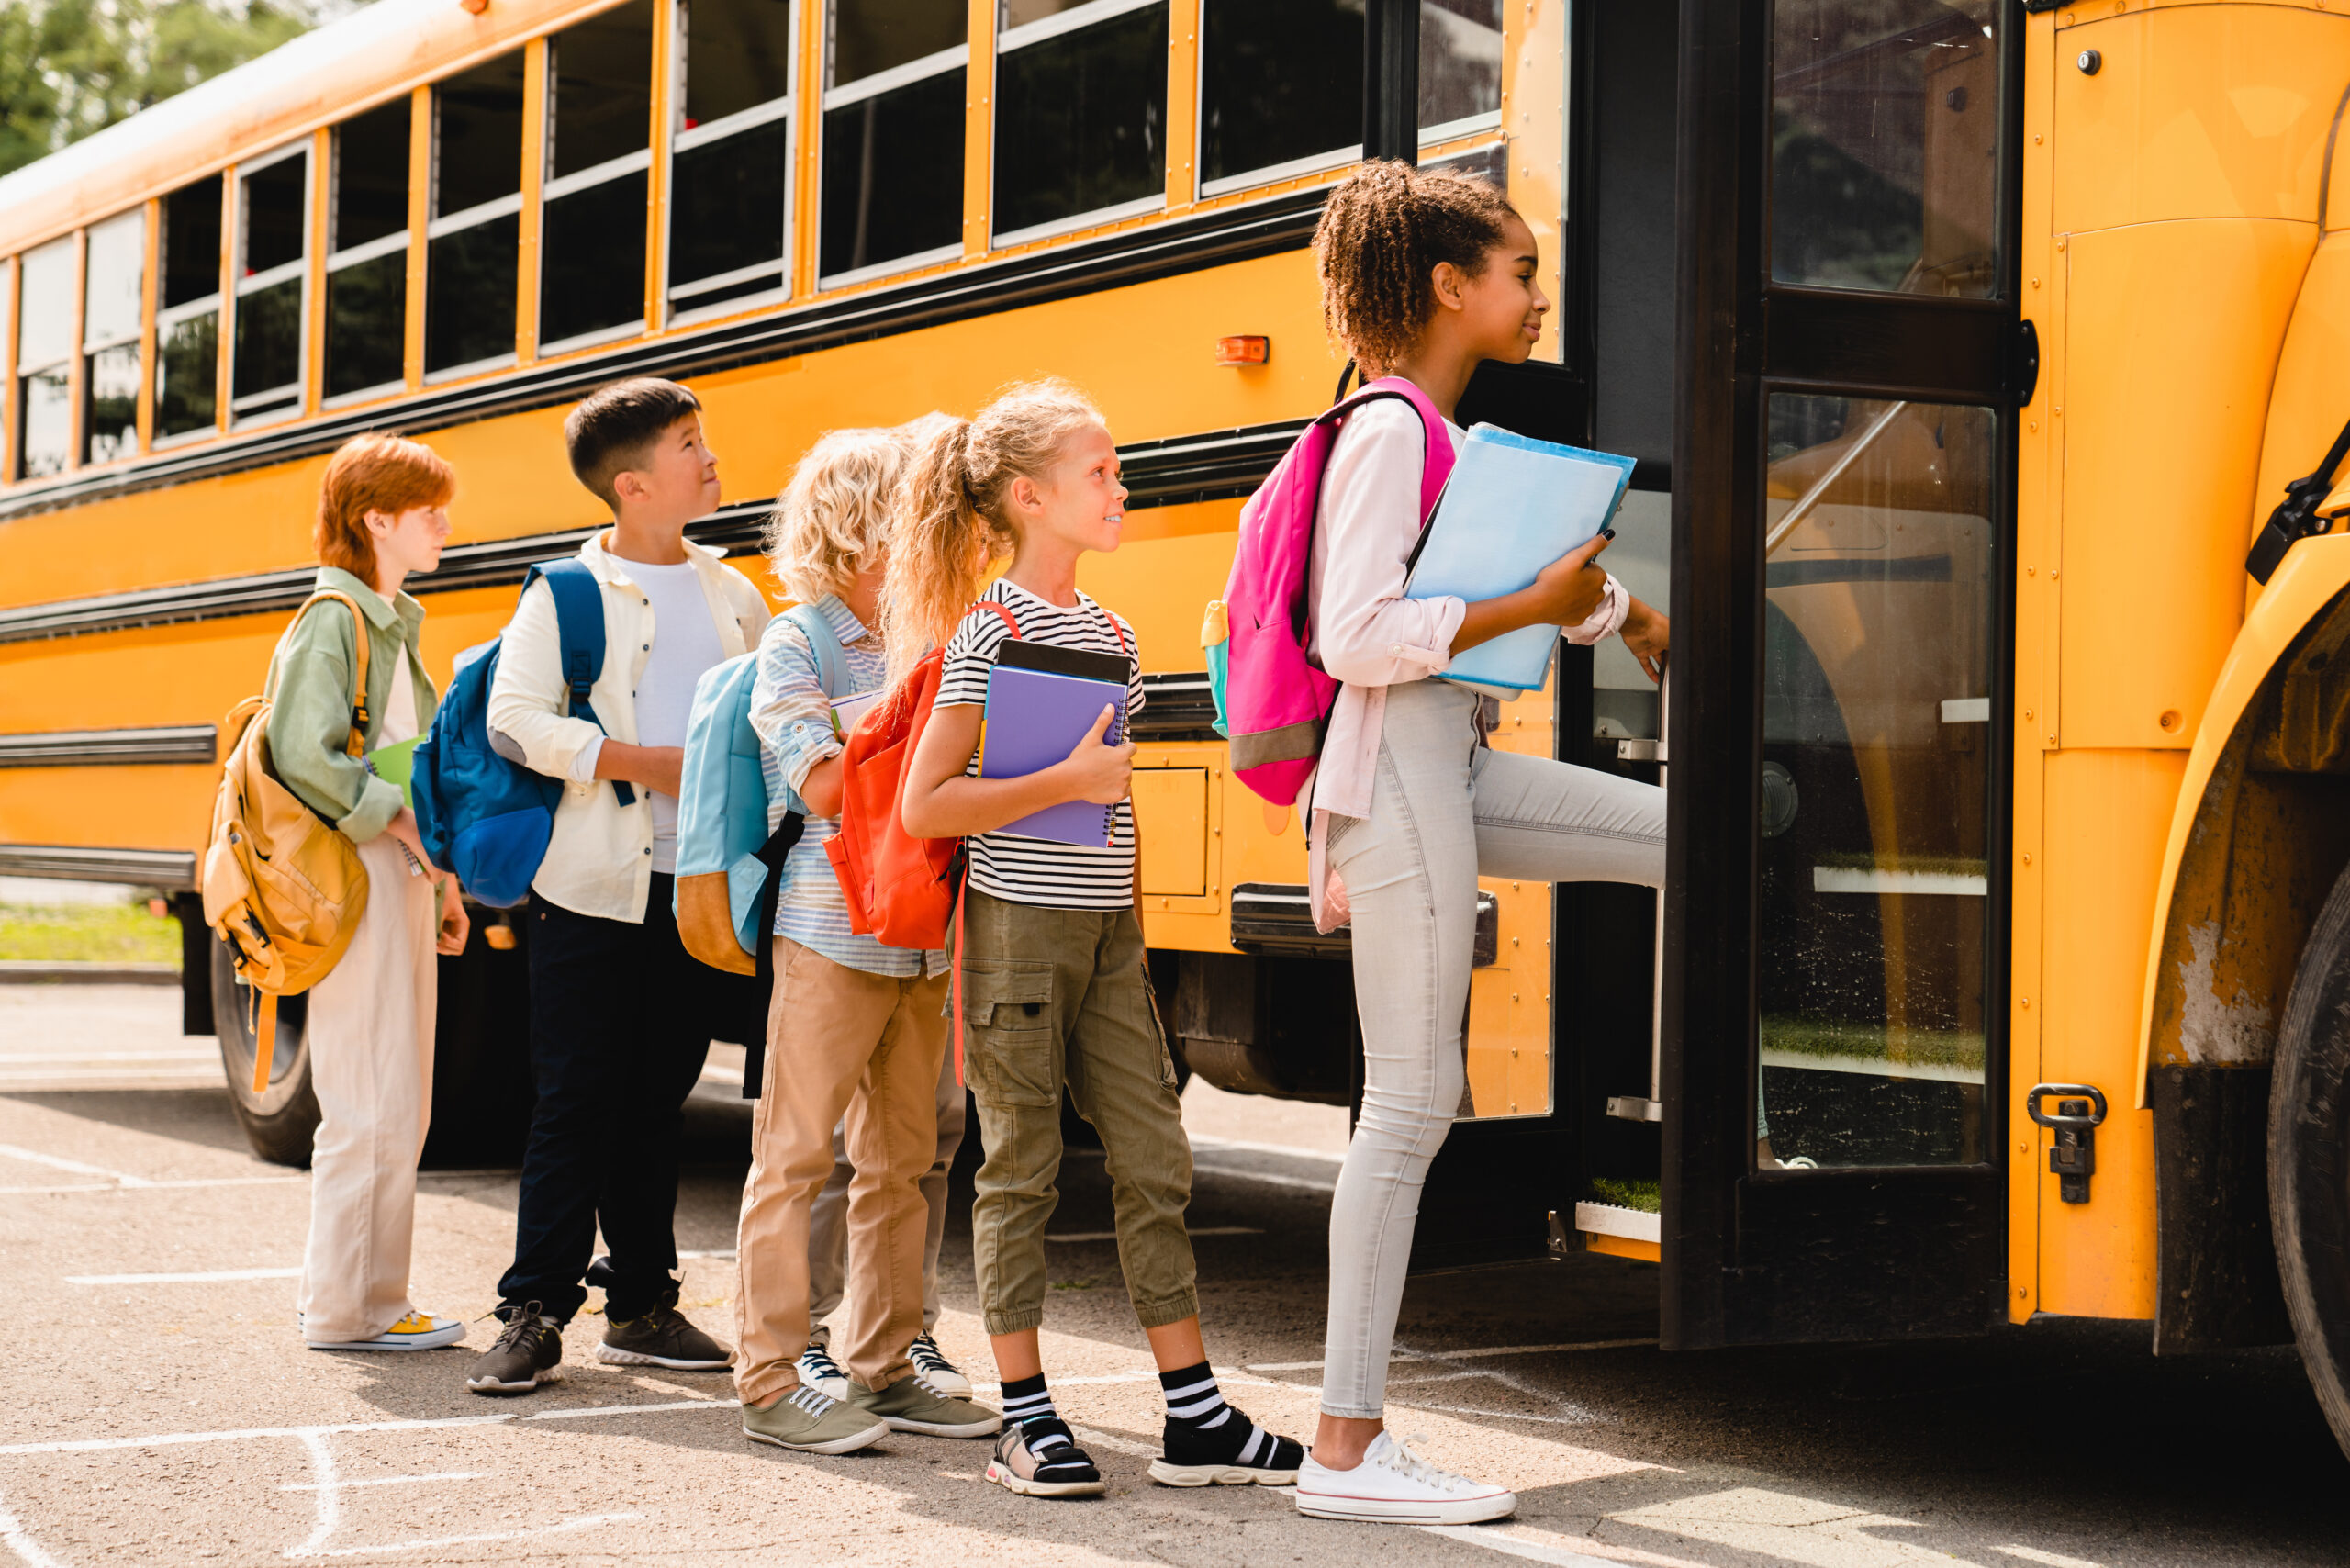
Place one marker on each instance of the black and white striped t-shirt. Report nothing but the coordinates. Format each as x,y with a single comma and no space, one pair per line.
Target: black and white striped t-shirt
1041,870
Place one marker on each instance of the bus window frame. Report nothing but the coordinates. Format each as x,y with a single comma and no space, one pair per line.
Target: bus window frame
1465,125
163,317
1075,19
904,74
8,368
1269,174
74,242
515,204
303,147
90,348
551,188
677,308
338,260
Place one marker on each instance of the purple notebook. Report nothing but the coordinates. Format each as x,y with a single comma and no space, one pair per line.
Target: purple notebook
1034,720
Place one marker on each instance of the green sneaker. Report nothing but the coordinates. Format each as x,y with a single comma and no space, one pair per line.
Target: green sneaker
912,1404
806,1420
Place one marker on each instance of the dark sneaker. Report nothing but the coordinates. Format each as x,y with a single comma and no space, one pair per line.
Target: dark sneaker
528,1353
912,1404
662,1338
1041,1458
1235,1452
818,1371
806,1420
931,1362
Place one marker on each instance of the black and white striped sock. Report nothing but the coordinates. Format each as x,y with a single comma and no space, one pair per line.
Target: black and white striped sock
1202,1430
1027,1401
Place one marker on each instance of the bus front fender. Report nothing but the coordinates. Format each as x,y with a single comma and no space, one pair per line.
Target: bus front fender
2260,832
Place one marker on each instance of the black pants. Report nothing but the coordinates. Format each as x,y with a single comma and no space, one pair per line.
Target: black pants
621,1017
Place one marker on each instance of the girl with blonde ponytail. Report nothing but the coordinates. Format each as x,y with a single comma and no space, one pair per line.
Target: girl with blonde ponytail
1054,992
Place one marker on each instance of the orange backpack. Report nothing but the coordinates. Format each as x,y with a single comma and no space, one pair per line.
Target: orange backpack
901,890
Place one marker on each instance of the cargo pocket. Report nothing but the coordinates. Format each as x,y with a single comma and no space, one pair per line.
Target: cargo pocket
1011,1047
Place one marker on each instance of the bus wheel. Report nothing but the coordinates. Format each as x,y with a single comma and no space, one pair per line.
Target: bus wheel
279,1121
2309,1157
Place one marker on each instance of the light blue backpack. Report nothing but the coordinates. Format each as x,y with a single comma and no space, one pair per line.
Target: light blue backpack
729,865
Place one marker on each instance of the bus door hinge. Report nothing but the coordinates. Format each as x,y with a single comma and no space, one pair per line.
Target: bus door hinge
2072,1157
2023,375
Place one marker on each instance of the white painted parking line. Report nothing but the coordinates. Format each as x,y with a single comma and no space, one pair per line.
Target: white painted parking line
76,1059
1196,1231
28,1157
215,1276
12,1532
585,1521
1242,1146
2047,1559
1493,1540
1403,1355
143,1186
422,1424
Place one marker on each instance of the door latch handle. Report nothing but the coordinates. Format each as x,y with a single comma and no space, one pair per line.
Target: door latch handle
2073,1157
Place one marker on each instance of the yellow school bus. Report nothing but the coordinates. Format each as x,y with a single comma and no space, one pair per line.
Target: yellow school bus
1965,349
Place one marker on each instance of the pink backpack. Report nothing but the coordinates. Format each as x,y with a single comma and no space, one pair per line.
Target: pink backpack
1272,700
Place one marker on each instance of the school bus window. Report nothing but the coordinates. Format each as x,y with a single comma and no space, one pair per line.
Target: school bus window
1080,114
367,252
187,314
472,246
1876,780
1886,143
44,361
273,210
1461,67
599,149
893,137
114,301
1280,89
730,170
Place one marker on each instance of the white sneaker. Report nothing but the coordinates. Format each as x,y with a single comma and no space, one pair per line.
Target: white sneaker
417,1331
820,1371
1395,1486
931,1362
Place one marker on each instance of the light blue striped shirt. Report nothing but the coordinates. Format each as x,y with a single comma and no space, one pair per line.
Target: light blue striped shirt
794,719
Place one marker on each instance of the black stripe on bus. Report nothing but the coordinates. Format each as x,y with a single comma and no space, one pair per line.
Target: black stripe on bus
167,869
1216,465
1141,255
115,748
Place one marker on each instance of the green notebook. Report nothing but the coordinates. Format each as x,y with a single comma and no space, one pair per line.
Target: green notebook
396,764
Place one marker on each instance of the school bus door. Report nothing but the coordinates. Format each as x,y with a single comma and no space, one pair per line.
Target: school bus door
1849,352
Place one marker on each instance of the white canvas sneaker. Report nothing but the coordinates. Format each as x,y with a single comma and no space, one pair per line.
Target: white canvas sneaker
818,1371
417,1331
1394,1485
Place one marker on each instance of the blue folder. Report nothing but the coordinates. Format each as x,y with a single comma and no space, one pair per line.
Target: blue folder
1513,506
1034,720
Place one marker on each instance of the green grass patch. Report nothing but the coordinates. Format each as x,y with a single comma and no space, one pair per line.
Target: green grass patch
1934,1048
104,933
1641,1193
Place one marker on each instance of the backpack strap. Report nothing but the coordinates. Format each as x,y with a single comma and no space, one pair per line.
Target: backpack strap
1437,457
356,744
832,659
579,634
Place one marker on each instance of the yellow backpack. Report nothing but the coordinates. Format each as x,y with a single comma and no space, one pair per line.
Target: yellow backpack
282,887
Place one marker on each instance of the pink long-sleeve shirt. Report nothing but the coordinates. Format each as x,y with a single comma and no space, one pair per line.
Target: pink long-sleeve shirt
1362,630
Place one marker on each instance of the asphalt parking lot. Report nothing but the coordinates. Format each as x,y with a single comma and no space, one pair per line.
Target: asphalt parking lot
159,1410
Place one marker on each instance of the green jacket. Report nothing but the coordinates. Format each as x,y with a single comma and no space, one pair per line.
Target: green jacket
309,691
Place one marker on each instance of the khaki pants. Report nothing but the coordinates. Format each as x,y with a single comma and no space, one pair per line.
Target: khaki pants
1054,997
839,1040
828,1215
370,1032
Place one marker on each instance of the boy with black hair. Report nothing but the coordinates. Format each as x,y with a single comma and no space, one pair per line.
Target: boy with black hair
621,1016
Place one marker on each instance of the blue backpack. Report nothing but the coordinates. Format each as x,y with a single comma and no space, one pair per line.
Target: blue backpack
729,865
481,814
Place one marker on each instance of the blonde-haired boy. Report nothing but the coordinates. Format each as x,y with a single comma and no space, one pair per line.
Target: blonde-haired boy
855,1073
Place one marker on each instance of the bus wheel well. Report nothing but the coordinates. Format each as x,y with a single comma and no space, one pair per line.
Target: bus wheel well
2308,1159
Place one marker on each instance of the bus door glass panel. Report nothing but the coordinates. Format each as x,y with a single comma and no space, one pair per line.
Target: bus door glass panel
599,153
1885,145
1875,782
730,167
1461,67
1080,115
367,254
893,137
273,280
1280,89
45,361
114,303
187,312
473,245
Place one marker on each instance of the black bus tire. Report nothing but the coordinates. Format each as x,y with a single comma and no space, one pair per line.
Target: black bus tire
279,1121
2309,1157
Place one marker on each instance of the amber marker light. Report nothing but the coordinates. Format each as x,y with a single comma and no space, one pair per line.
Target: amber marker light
1243,351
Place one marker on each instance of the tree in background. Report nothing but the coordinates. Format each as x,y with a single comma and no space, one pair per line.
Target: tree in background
70,67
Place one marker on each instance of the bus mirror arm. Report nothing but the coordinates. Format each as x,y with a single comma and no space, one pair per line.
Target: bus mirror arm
2302,514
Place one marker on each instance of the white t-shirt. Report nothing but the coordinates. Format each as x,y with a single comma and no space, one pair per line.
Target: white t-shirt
685,643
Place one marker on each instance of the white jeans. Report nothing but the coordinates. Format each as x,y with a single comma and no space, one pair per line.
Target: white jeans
828,1215
370,1030
1442,811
